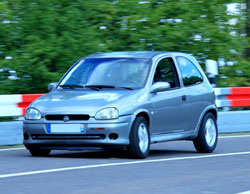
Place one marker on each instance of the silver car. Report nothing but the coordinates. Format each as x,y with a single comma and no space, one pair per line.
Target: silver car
125,100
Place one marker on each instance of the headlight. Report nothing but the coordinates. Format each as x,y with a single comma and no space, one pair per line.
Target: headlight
32,114
107,113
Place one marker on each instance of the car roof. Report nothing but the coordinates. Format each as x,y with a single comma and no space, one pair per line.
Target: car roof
132,54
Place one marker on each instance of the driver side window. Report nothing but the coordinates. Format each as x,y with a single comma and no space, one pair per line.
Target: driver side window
166,72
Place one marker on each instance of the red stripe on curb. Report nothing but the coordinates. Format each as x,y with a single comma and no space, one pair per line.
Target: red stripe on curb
26,100
240,91
239,96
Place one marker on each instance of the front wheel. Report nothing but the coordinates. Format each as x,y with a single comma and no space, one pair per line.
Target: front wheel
139,139
206,140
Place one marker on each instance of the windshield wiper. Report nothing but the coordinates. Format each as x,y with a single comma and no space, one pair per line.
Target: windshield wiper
106,86
127,88
77,86
71,86
99,86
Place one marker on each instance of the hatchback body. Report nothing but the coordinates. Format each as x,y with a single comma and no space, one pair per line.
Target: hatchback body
127,100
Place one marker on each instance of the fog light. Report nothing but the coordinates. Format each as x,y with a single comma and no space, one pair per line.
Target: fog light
113,136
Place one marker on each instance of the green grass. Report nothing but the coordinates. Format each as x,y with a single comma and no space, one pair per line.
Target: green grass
240,133
10,146
7,119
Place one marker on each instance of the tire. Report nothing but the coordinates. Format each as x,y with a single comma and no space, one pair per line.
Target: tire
207,138
39,152
139,139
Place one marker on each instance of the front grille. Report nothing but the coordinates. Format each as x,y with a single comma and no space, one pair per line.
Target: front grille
68,137
71,117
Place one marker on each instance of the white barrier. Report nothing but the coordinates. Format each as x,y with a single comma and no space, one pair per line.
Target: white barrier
15,105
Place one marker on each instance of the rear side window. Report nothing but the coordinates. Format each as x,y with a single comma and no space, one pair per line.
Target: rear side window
190,74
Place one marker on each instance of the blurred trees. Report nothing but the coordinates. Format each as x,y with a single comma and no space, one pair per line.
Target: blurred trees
247,51
41,39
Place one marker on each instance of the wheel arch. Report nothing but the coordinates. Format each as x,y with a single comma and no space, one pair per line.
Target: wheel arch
144,113
214,112
209,109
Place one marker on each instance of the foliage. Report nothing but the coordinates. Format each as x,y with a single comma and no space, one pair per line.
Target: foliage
44,38
237,75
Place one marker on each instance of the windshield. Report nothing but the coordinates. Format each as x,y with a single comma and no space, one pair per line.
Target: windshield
109,72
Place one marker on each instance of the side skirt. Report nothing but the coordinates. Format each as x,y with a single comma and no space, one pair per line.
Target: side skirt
187,135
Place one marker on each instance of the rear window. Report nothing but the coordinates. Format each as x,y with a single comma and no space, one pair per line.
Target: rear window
190,74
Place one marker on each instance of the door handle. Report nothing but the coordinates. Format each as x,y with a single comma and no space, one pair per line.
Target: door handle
184,98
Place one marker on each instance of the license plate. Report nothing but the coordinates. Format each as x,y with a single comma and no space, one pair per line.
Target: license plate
66,128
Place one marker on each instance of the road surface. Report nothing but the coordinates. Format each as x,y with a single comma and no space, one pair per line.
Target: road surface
173,167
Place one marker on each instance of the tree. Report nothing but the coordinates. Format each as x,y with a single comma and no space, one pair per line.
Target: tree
247,50
44,38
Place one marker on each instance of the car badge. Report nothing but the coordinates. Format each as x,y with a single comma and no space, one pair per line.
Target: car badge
66,118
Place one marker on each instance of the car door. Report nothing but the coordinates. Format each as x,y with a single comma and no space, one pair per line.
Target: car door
170,107
196,91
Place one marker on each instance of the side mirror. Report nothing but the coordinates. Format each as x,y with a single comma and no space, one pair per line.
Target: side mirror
159,87
52,86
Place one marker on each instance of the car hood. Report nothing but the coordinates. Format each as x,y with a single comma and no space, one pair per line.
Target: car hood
80,101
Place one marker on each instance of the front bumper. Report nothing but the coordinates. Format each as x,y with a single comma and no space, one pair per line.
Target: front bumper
98,133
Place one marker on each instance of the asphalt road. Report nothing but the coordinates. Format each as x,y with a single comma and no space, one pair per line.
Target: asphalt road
173,167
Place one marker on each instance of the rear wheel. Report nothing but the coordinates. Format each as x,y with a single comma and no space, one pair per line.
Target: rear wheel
206,140
39,152
139,139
